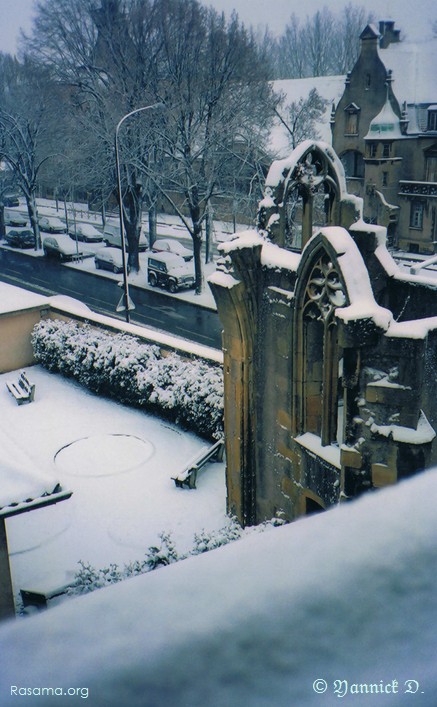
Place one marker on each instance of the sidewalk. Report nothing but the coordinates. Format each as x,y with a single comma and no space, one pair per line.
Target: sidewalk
168,227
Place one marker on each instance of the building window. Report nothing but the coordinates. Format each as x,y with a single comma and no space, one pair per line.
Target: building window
386,149
372,149
368,81
351,124
384,179
353,163
432,119
431,168
416,214
352,112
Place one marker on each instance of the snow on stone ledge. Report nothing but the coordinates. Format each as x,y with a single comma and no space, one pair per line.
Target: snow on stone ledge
272,256
422,435
13,299
313,443
412,329
223,279
349,594
245,239
362,303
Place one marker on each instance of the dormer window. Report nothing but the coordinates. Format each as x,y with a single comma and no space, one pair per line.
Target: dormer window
352,116
432,118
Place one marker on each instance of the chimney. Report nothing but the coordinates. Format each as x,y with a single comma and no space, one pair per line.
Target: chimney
389,35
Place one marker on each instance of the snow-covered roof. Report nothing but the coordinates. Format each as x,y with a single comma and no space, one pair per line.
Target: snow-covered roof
329,87
21,481
385,125
283,613
413,70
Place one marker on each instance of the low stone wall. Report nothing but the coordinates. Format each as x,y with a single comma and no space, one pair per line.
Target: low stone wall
16,328
15,345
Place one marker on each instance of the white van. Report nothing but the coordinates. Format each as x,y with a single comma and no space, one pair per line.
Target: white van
112,237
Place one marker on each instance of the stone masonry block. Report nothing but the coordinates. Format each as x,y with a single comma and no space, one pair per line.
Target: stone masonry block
351,458
383,475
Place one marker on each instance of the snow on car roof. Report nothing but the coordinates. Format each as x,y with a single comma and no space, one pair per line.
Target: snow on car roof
166,256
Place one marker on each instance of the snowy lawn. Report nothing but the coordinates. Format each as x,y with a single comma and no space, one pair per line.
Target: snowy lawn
119,462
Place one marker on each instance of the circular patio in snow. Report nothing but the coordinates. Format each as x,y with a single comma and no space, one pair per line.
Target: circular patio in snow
103,455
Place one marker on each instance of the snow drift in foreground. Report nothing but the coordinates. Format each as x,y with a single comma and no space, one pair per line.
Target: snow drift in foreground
348,595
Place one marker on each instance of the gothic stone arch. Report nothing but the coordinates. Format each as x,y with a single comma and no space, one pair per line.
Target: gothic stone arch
309,184
297,342
320,291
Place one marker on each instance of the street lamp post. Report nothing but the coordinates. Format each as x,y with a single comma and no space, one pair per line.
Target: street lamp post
128,304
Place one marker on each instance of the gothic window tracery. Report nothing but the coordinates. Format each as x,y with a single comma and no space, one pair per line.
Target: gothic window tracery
321,389
308,201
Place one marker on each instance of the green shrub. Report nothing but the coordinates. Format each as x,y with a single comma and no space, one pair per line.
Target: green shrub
188,391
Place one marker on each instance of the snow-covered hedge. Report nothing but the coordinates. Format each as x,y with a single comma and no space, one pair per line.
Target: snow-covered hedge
189,391
88,578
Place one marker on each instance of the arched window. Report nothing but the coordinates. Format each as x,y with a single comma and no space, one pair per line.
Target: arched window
320,357
302,194
353,163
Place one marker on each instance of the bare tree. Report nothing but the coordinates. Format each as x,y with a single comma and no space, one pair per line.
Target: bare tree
102,53
319,33
27,133
214,89
300,118
114,56
292,59
325,44
347,43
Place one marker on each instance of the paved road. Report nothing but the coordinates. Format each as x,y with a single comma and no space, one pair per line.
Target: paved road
154,309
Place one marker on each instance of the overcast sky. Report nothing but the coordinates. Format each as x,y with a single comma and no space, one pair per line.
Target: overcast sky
413,17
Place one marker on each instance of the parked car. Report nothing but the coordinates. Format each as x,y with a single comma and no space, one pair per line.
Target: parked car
11,200
20,239
163,245
109,259
169,270
14,218
52,224
60,246
87,233
112,237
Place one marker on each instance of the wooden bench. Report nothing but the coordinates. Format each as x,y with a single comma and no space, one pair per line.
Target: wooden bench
188,476
22,390
42,597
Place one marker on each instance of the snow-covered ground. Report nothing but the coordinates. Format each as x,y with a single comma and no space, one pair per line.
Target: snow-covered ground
119,462
336,608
